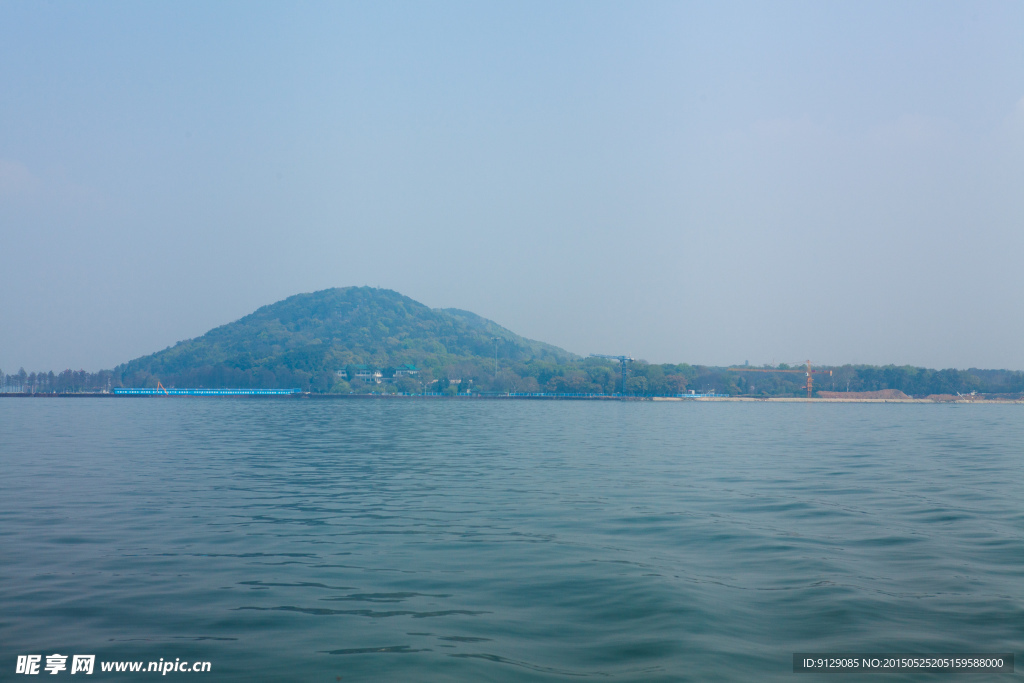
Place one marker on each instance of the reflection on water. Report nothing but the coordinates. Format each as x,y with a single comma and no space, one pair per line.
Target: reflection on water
445,540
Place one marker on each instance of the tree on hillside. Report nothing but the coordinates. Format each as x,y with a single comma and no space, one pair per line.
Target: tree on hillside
407,385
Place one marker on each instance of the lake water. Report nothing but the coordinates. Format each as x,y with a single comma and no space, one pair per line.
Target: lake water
419,540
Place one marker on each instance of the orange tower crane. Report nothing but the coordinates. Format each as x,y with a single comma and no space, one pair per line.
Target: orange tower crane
808,371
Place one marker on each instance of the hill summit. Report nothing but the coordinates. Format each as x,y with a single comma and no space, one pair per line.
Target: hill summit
316,340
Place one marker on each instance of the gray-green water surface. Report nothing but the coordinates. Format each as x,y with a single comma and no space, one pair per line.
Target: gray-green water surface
301,540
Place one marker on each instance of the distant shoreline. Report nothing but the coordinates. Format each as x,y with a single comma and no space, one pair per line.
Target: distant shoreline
397,397
794,399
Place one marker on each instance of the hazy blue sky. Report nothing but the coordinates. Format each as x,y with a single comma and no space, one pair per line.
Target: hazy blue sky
702,182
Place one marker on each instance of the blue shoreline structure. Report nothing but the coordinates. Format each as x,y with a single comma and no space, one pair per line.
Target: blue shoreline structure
207,392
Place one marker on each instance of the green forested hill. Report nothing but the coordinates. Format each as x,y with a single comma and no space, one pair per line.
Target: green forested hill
315,342
303,340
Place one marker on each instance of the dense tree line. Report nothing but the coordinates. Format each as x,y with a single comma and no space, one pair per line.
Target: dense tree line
588,376
913,381
66,382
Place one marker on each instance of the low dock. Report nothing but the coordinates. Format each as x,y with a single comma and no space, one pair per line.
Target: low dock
206,392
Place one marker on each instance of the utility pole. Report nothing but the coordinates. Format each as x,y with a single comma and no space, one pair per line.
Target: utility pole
622,361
